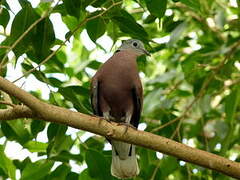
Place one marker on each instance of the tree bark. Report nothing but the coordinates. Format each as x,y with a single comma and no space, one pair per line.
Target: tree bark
36,108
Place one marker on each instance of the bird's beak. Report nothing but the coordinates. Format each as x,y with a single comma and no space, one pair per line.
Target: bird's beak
146,52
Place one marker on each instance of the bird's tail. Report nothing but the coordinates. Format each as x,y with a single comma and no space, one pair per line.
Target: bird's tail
124,161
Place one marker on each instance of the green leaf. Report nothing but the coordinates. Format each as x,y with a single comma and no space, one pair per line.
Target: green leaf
98,3
73,7
55,64
22,164
85,175
55,82
150,19
5,4
72,176
97,165
96,28
24,3
7,165
62,143
220,18
4,17
59,141
34,146
164,78
37,126
38,74
37,170
70,21
176,34
192,72
16,130
128,24
78,96
152,101
157,7
171,163
43,39
55,129
60,172
94,65
96,143
60,8
65,156
24,18
194,4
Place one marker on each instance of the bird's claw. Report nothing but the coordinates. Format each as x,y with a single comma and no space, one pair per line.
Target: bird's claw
110,133
126,126
101,119
109,119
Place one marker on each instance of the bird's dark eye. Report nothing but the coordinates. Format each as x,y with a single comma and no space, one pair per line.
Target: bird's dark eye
135,44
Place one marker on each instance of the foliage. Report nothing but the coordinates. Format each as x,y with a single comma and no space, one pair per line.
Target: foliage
191,81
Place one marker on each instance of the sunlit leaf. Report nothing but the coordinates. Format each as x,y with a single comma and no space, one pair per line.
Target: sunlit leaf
34,146
37,170
96,28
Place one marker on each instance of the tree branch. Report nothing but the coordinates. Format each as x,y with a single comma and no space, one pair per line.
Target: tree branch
18,111
112,130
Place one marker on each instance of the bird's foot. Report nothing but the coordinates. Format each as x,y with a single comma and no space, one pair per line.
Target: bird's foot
127,125
101,119
93,115
110,133
108,117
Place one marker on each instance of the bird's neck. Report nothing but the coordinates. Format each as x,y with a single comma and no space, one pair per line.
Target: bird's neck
127,55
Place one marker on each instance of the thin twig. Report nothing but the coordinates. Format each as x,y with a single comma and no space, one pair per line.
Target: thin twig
189,171
4,47
166,124
67,39
155,170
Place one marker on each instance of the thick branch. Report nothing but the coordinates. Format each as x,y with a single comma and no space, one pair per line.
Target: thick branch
113,130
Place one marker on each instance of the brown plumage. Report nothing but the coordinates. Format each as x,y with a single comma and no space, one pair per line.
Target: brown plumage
116,94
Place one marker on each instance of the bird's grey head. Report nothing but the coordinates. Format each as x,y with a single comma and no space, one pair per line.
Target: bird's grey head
135,45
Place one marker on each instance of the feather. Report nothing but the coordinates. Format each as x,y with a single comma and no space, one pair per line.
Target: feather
126,167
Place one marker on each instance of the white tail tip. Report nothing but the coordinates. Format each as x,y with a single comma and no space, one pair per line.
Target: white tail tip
127,168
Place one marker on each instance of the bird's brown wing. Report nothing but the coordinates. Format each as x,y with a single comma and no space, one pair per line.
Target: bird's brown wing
138,100
95,96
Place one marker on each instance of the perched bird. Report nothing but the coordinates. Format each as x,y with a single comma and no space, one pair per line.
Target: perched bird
116,94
